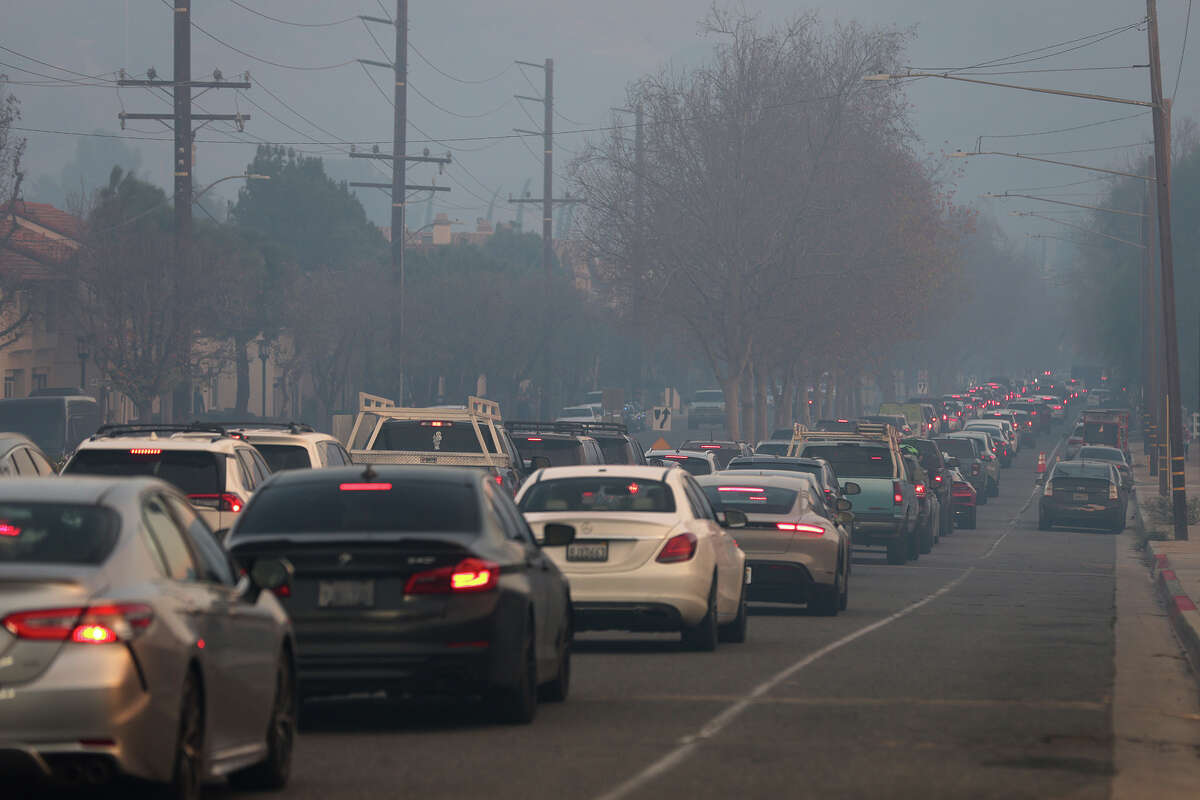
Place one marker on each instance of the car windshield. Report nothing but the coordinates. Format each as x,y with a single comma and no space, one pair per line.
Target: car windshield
41,419
773,448
56,533
616,451
854,461
599,493
560,452
750,498
958,448
432,436
710,396
339,506
192,471
577,411
280,457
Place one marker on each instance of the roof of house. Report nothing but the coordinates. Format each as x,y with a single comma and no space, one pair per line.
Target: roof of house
35,238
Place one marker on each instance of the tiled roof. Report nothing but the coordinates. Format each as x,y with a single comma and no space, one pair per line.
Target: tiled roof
50,217
27,253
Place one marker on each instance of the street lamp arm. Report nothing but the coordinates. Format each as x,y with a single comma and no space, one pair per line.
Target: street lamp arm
248,176
962,154
1060,92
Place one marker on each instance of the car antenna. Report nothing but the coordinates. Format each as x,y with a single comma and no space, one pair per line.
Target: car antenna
369,474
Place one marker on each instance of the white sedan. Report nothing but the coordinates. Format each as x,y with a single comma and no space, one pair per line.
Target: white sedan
650,554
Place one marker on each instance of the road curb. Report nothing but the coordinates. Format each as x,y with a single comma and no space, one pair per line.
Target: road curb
1181,609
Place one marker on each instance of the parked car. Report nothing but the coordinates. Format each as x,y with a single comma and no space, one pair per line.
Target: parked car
414,579
796,550
1084,493
650,553
131,646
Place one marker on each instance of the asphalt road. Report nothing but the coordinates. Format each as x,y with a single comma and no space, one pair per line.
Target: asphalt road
983,670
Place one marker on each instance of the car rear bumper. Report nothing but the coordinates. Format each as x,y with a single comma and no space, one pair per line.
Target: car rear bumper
779,581
1082,512
642,617
870,528
682,588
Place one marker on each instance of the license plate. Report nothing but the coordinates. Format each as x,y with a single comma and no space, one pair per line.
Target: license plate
587,551
1083,496
346,594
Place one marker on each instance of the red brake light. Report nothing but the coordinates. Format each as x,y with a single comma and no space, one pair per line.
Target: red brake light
469,575
937,478
744,489
95,625
678,458
217,502
897,493
680,547
93,634
710,447
365,487
436,423
8,529
145,451
801,527
920,489
534,439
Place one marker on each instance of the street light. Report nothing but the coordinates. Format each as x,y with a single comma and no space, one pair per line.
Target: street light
264,353
83,350
250,176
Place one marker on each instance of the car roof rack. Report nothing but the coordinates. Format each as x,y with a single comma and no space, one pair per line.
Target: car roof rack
592,428
291,427
532,426
151,428
476,408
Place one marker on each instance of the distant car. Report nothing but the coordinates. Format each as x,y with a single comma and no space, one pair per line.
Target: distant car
615,442
968,453
964,497
1085,493
1094,452
131,646
57,420
724,451
580,414
697,462
773,447
897,421
707,409
796,550
989,454
291,445
1002,437
543,446
414,579
835,425
650,553
819,468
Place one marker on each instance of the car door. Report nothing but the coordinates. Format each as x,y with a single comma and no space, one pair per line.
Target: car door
206,613
729,576
254,636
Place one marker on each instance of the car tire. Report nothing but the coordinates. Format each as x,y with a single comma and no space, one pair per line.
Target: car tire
914,544
897,551
556,691
972,519
187,770
703,636
1118,524
1044,523
272,772
844,597
517,705
981,498
994,489
825,601
735,632
925,538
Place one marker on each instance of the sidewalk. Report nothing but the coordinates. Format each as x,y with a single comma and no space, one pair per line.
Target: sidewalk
1175,566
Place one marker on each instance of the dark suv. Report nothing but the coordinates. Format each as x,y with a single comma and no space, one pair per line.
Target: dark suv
550,448
934,464
613,437
723,451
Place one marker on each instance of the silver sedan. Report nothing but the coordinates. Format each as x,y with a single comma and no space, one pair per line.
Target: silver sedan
128,645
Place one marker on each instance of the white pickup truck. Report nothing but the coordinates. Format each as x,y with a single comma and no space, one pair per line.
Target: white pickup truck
454,436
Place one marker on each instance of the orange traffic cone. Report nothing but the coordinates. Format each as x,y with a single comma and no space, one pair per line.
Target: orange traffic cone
1041,465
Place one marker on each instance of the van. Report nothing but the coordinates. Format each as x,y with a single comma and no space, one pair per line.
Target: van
56,423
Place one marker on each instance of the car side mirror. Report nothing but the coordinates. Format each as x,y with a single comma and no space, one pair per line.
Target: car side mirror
555,534
843,504
538,462
272,574
732,518
851,488
843,517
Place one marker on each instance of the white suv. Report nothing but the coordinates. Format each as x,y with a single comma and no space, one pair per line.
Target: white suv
291,445
217,470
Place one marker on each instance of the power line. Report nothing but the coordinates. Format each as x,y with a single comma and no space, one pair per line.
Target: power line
455,78
1061,69
291,22
1187,26
99,77
1064,130
1090,149
445,110
1004,61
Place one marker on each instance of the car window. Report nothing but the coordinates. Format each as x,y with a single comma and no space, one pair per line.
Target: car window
262,470
700,505
214,563
515,527
285,456
168,539
248,477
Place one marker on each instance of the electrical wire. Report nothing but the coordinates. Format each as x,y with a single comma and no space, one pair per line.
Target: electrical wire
455,78
1062,69
1004,61
1089,149
99,77
291,22
445,110
1064,130
1187,26
378,44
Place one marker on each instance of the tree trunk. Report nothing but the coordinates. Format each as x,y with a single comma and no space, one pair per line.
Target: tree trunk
760,405
747,396
732,388
785,406
241,346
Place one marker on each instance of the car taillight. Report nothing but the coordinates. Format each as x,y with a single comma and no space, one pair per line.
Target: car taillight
975,469
217,502
680,547
1048,490
104,624
897,493
1112,492
468,575
801,528
365,487
920,489
937,478
962,490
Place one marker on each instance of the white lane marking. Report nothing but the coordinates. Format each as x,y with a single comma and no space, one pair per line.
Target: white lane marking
718,723
1012,525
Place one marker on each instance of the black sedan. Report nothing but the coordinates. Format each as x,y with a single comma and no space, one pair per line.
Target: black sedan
411,580
1086,493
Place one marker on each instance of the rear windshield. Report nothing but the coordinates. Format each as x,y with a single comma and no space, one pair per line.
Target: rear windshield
599,494
56,533
958,448
561,452
1102,454
773,448
1100,432
44,420
696,466
334,507
854,461
723,453
284,456
775,466
192,471
751,499
426,436
710,396
616,451
1082,470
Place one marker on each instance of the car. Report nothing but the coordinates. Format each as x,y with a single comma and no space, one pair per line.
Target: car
834,425
20,457
917,416
773,447
132,648
989,454
697,462
963,497
650,554
707,409
215,469
414,579
897,421
291,445
967,452
542,445
933,461
929,512
1095,452
588,413
615,442
724,451
796,550
1085,493
1001,435
57,420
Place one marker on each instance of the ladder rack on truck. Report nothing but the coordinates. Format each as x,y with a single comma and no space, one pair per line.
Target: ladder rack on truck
483,415
867,431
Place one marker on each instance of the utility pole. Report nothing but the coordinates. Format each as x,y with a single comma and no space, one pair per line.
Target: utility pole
398,188
1150,351
182,117
1162,167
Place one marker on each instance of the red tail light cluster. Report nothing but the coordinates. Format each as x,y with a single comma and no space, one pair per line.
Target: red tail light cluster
101,624
468,575
801,528
897,493
217,502
920,489
680,547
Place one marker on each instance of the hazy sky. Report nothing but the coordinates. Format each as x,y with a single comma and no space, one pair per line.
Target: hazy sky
598,48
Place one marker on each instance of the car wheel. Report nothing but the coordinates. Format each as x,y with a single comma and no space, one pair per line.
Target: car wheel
972,518
914,544
844,599
1044,523
556,690
994,489
703,636
272,772
897,551
925,538
517,705
187,775
825,601
981,498
735,632
1118,525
